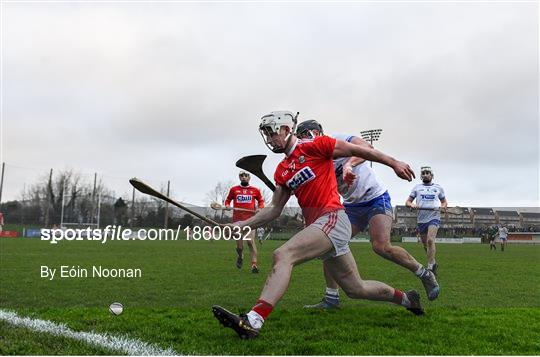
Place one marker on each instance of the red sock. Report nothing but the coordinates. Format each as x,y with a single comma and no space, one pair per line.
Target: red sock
263,308
398,297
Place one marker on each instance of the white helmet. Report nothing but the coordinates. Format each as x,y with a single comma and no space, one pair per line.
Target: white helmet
426,169
271,123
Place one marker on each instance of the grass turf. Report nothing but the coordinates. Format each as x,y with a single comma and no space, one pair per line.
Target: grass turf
489,302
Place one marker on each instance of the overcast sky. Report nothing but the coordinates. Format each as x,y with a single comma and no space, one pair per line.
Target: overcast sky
176,90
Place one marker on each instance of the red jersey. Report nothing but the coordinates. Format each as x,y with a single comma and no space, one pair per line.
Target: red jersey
309,172
244,197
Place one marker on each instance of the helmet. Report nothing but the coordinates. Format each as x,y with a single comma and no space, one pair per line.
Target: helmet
271,123
306,128
426,168
244,173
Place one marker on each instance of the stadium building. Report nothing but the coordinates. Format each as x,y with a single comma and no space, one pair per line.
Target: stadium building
511,219
404,217
483,217
530,221
462,221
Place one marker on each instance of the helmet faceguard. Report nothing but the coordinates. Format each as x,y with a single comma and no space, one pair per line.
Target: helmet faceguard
272,123
244,177
306,129
424,171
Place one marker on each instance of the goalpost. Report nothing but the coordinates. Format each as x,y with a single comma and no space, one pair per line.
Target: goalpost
94,216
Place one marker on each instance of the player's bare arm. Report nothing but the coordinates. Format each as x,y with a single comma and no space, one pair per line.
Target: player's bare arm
345,149
348,175
409,203
269,213
444,205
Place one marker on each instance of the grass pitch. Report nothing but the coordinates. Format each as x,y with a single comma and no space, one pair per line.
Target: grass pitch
489,304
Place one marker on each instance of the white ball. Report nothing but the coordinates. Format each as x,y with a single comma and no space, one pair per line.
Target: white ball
116,308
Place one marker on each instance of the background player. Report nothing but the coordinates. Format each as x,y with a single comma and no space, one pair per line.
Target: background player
492,235
244,196
503,236
428,195
260,234
308,172
366,202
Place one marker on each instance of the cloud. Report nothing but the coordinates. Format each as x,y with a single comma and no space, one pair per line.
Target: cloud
176,90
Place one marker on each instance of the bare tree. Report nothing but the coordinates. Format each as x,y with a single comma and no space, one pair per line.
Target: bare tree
219,192
73,189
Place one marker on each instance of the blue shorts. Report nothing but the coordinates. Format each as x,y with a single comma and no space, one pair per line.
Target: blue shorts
360,213
423,227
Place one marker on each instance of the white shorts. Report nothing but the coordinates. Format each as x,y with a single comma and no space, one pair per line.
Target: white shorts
337,227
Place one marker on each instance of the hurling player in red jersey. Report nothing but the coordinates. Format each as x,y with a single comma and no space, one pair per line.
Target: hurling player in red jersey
308,171
244,196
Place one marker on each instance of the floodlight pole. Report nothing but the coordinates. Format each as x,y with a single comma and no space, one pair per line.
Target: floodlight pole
371,135
2,180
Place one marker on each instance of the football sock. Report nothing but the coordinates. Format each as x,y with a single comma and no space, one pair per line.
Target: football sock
420,272
400,298
255,320
239,251
331,296
431,264
262,309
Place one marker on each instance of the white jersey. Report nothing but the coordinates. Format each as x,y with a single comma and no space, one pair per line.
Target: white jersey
366,186
428,196
503,232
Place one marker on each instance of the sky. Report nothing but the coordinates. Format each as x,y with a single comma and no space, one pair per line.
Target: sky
175,91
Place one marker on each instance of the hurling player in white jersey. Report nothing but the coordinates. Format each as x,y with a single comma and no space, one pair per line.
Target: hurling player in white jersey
428,195
503,236
260,234
367,203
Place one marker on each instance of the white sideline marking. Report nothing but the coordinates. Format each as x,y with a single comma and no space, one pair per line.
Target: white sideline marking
122,344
